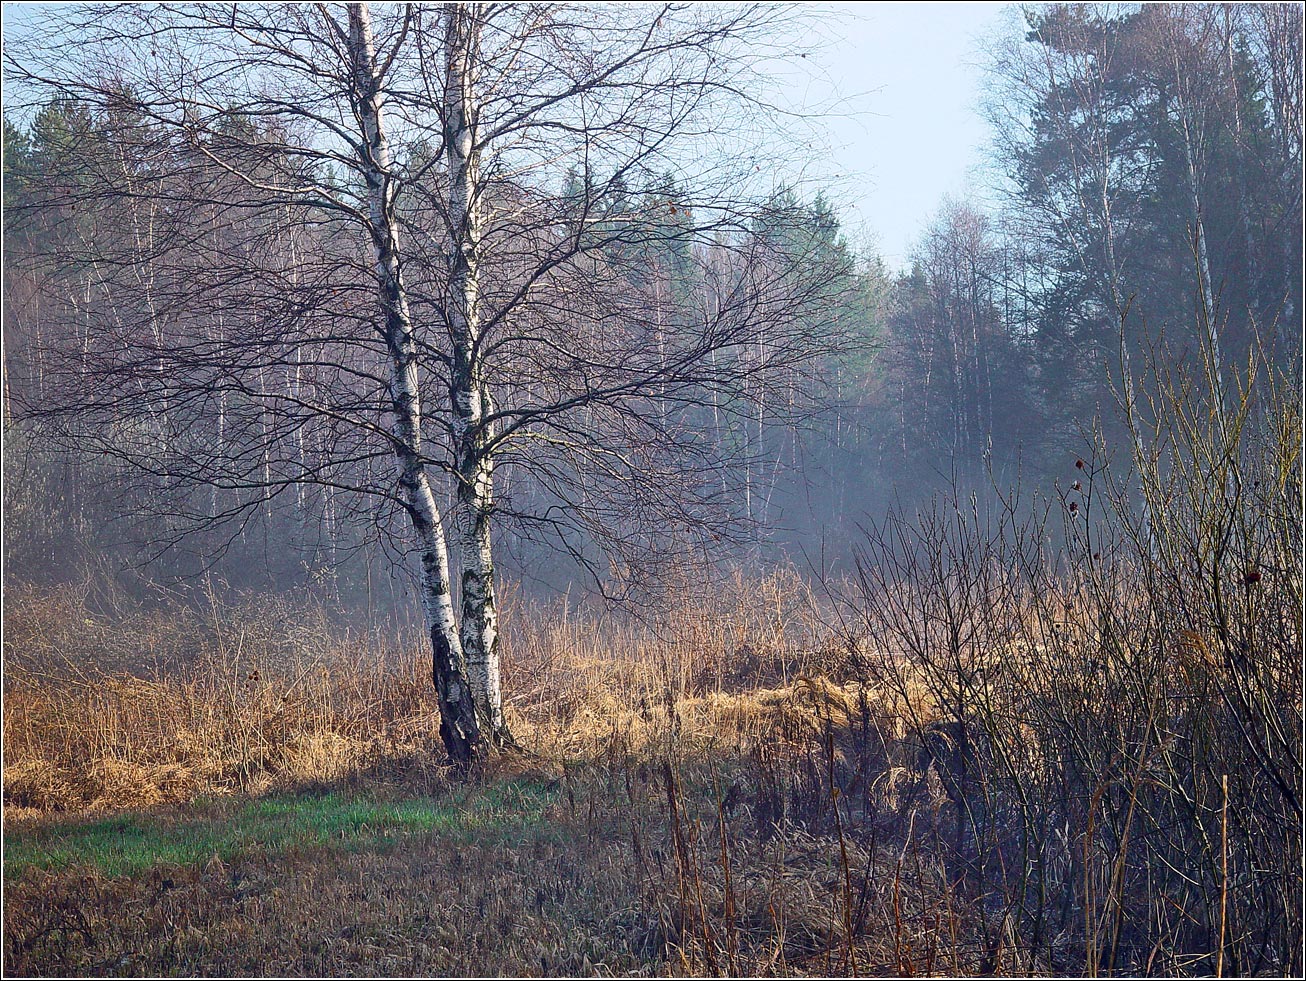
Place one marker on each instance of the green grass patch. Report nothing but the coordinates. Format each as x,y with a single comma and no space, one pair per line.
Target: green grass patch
128,844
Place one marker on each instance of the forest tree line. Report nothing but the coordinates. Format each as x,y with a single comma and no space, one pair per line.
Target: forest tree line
188,364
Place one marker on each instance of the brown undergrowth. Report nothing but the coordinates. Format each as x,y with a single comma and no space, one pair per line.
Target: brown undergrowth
952,777
687,823
166,706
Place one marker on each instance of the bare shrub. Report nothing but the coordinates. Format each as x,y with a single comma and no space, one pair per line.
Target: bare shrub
1115,720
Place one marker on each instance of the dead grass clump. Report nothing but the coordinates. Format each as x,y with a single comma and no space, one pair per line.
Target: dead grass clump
39,785
732,790
226,716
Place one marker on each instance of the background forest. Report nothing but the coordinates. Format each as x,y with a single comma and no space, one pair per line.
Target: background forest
1149,167
853,619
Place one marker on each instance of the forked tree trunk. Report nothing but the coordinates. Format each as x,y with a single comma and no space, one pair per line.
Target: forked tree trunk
458,724
470,390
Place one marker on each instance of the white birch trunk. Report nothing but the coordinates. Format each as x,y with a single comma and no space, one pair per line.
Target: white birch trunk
1240,163
470,391
1186,109
458,727
1206,314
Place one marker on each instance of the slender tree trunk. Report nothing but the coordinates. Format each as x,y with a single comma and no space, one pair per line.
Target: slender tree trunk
1206,314
1186,109
458,726
1240,170
470,390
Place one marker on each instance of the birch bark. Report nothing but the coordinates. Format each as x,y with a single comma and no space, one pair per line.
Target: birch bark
1194,140
470,389
458,724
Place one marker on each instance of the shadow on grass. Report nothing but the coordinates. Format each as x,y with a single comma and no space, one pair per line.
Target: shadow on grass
131,843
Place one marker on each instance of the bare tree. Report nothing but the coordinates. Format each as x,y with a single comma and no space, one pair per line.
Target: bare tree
401,254
952,360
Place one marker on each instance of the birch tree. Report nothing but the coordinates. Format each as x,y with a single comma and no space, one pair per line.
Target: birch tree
458,315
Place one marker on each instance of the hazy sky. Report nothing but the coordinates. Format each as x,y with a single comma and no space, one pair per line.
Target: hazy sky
909,77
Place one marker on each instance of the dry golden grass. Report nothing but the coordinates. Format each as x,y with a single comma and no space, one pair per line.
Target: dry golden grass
183,712
169,706
738,790
721,712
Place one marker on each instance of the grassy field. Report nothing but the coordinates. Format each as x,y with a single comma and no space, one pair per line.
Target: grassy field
332,884
754,788
182,801
129,843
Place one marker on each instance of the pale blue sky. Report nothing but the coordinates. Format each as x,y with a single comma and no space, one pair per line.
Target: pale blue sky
910,79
